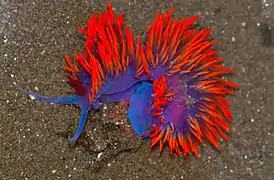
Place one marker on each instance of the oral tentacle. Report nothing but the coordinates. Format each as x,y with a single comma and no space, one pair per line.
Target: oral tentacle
81,125
56,100
83,103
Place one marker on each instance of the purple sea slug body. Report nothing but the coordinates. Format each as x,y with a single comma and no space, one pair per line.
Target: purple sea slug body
171,80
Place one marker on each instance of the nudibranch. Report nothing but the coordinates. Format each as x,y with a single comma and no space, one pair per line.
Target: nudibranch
172,80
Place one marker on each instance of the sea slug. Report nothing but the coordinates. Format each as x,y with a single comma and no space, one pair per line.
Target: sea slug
172,80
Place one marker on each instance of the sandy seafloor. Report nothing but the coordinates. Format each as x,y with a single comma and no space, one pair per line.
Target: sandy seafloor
34,35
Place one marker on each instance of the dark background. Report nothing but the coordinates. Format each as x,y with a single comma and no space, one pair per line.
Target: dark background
33,136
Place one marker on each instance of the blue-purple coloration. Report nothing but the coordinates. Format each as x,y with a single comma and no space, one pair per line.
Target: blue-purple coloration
125,87
182,104
138,114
